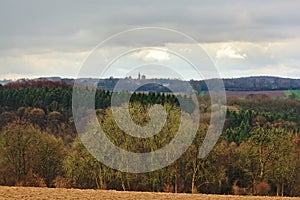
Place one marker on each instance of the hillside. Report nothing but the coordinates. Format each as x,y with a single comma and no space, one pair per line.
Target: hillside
255,83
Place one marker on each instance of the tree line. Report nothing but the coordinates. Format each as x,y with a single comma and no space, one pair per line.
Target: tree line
258,152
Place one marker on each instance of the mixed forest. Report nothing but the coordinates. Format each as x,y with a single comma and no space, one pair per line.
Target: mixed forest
257,153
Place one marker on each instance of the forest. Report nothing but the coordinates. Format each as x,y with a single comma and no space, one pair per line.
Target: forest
257,153
252,83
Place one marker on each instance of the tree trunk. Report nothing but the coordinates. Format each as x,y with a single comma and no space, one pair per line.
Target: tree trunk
253,187
220,186
277,189
128,185
193,183
123,185
194,189
261,162
175,183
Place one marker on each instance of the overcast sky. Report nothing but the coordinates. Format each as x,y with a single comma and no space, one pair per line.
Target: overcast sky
243,38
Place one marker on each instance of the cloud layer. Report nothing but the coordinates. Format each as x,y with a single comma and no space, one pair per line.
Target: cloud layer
48,38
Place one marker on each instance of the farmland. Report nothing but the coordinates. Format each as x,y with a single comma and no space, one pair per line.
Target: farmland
273,94
58,193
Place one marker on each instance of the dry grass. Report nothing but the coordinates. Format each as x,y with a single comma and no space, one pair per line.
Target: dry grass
51,193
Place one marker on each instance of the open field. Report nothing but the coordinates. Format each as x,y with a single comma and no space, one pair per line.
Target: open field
51,193
294,92
274,94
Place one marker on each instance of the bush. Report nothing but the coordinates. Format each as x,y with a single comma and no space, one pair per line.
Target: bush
61,182
262,188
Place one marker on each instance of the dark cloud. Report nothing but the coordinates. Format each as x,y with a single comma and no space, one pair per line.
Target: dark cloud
59,23
38,27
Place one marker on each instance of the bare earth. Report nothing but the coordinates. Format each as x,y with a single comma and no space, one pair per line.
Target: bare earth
276,94
51,193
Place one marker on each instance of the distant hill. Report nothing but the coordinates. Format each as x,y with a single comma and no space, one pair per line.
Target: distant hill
254,83
5,81
260,83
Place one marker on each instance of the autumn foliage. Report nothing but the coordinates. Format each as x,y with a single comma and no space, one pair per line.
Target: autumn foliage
258,152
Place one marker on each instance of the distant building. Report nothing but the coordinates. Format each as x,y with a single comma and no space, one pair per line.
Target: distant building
143,77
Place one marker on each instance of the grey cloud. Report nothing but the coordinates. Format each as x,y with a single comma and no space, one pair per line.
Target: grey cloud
38,26
56,23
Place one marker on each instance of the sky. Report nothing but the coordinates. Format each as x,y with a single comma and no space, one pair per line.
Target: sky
56,38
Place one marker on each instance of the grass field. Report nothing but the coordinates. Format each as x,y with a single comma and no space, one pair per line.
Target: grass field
290,92
274,94
51,193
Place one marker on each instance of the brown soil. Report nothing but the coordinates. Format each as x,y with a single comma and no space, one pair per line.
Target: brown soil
51,193
243,94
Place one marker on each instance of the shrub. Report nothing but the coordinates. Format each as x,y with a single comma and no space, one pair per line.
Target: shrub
262,188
